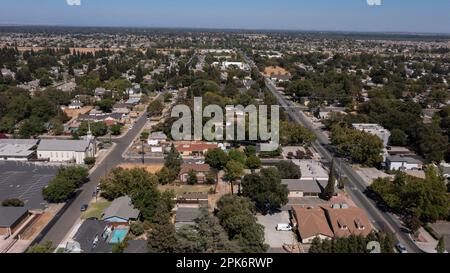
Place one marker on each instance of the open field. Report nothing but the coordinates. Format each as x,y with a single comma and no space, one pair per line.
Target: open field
74,113
151,168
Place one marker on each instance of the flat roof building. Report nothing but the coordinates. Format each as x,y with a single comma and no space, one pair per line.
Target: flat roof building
17,149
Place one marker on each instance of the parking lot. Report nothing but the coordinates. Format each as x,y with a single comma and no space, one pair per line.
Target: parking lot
25,181
275,239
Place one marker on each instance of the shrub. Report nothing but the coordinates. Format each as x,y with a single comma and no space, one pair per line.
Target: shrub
13,203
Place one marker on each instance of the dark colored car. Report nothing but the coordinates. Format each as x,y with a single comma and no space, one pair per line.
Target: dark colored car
84,207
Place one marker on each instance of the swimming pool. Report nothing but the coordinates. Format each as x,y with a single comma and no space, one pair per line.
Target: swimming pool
118,236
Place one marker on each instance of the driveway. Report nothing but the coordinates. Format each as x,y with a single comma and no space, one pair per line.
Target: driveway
275,239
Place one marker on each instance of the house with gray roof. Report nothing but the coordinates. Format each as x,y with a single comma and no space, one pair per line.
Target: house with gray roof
65,151
121,210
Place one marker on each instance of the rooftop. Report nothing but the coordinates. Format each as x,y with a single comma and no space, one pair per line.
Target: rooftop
121,207
63,145
17,147
309,186
10,215
311,222
195,167
187,215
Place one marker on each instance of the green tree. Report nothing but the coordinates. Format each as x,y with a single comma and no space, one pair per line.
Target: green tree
362,147
398,138
288,170
162,236
329,190
441,246
236,216
14,202
105,105
265,190
115,129
192,178
155,108
233,171
253,162
217,158
237,155
46,247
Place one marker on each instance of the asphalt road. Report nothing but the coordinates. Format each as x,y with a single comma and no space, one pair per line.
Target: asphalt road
64,224
357,186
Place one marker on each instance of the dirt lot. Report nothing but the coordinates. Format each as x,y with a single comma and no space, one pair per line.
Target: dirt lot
151,168
275,70
74,113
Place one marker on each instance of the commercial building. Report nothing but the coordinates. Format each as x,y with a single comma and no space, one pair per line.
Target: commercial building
395,163
17,149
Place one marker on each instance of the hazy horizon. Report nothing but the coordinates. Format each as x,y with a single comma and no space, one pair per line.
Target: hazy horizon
385,16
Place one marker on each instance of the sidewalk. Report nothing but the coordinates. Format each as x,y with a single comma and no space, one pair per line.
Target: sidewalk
427,243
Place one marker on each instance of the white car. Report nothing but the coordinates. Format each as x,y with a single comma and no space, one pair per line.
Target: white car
401,248
284,227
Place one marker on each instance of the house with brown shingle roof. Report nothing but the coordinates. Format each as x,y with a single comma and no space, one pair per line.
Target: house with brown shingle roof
311,223
194,149
201,171
338,220
346,221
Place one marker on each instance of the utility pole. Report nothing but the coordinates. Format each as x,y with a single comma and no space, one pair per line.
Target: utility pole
143,153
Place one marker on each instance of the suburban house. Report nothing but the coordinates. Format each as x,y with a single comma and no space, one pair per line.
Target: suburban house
201,171
304,188
92,237
75,104
156,138
56,150
311,223
11,218
18,149
403,162
186,216
121,108
194,149
121,211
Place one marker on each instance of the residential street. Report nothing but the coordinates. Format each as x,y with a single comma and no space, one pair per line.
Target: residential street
64,224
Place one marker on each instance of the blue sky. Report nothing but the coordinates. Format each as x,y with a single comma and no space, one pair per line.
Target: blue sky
341,15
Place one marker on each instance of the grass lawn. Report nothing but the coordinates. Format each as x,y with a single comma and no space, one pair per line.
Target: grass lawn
181,189
96,209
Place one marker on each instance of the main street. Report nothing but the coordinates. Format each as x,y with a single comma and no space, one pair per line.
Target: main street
357,186
66,221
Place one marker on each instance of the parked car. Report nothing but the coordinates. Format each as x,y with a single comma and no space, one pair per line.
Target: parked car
401,248
284,227
84,207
